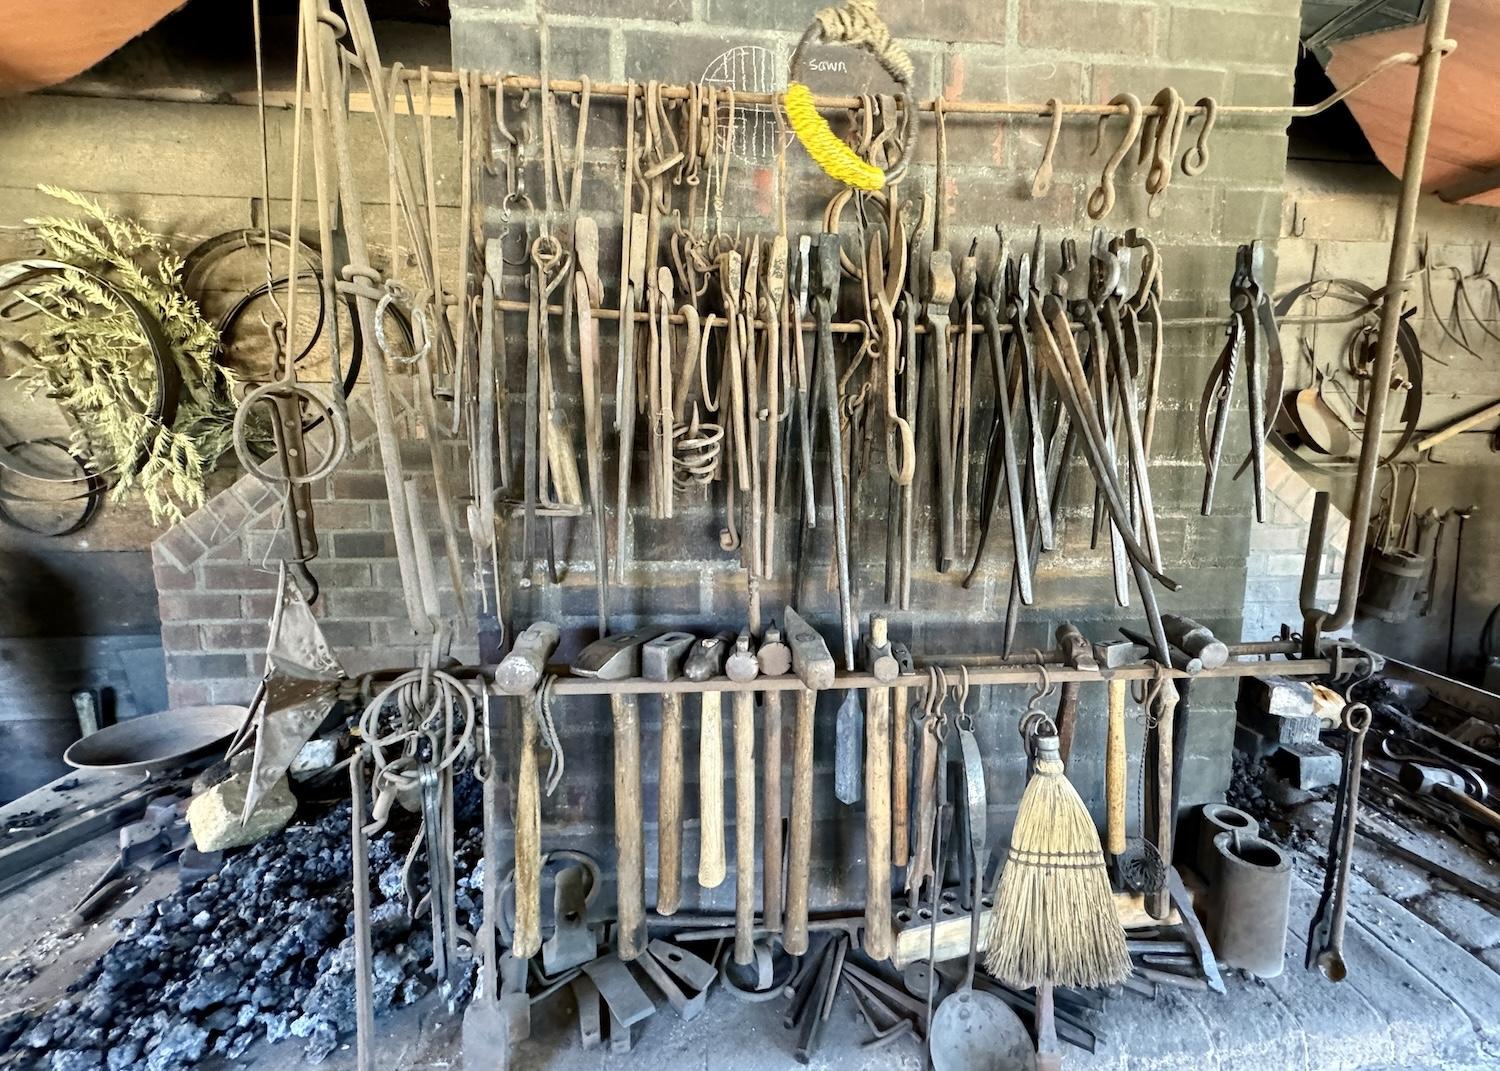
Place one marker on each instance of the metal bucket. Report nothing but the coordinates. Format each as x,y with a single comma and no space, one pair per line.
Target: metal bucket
1393,578
1250,901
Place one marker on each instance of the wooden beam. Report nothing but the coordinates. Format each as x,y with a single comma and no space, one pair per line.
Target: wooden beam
952,940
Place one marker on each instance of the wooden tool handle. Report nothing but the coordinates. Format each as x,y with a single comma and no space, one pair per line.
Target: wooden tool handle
563,460
1470,807
744,827
878,934
1067,718
528,823
1048,1051
1114,770
1463,424
1158,903
771,852
630,832
711,865
794,924
669,807
900,777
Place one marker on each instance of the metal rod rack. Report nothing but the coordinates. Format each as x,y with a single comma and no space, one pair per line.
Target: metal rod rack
854,327
997,675
518,83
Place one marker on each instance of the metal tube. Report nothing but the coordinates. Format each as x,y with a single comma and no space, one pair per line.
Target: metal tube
1396,283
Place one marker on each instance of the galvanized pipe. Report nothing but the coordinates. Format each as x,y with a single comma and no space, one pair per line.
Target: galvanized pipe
1434,46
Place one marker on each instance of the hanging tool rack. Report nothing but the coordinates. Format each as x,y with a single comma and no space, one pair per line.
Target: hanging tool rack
616,665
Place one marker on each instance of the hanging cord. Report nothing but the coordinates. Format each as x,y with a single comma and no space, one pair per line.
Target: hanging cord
265,164
855,23
547,732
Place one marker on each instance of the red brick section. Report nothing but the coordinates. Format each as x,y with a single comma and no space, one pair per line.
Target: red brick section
216,580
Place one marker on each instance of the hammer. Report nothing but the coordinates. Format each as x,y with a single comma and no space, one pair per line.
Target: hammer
775,659
813,666
706,660
614,658
519,673
1079,654
661,660
742,666
878,932
1448,786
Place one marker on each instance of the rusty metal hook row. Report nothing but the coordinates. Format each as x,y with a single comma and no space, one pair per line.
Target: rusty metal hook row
1102,199
1039,109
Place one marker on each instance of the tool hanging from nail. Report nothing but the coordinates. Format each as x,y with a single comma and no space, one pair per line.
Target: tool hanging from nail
1054,922
1253,335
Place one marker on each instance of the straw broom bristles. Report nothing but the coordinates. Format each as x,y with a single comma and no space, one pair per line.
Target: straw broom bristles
1054,919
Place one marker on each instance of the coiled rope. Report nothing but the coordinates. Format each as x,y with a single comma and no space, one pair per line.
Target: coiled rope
856,23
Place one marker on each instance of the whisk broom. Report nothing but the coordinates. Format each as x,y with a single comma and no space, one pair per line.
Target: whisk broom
1054,920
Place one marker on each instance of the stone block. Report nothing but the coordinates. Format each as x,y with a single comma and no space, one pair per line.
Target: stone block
204,666
1279,697
497,44
1244,39
1307,765
315,757
214,815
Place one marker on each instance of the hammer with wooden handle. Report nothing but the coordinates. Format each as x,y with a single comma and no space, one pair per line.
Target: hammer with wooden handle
704,661
775,659
618,657
742,666
661,660
813,665
878,933
519,673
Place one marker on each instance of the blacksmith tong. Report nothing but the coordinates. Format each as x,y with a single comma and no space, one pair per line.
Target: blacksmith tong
1252,331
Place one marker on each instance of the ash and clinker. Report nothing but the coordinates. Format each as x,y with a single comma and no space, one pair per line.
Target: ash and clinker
262,950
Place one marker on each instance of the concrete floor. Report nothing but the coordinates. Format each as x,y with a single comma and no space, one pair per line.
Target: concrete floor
1416,997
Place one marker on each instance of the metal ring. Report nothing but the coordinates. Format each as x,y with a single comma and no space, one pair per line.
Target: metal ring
336,450
92,496
162,412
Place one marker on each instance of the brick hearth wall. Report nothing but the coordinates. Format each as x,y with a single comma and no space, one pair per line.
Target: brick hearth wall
1240,51
216,576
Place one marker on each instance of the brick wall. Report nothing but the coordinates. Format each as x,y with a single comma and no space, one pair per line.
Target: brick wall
1239,51
216,576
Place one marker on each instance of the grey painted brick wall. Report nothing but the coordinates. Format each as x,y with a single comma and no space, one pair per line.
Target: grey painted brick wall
1240,51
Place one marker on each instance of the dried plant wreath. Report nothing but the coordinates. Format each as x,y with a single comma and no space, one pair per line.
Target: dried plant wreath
94,358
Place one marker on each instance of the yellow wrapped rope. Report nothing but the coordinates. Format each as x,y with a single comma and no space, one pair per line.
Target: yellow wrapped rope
827,149
854,23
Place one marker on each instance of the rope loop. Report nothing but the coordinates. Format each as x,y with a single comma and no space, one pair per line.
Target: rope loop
855,23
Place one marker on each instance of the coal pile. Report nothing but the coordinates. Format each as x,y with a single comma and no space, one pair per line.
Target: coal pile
262,950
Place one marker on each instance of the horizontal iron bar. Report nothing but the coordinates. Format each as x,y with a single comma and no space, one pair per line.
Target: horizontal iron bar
978,675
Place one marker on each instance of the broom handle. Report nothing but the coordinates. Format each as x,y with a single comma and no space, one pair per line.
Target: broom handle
1048,1051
